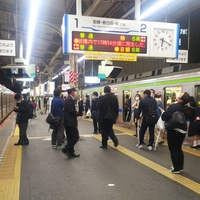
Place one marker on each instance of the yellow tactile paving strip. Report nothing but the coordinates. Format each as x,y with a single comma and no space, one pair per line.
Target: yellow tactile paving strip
192,185
10,170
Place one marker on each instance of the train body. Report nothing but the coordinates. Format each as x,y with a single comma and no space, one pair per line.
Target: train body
169,85
7,102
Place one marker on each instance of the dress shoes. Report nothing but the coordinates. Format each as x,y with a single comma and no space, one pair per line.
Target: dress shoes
17,144
116,143
103,147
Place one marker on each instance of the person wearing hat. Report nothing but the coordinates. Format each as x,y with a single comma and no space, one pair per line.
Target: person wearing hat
106,102
70,124
94,111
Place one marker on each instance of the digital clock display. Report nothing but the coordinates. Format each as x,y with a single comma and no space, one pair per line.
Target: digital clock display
104,42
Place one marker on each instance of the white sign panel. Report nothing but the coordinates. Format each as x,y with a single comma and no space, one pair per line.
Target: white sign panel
66,76
50,87
92,79
182,57
7,47
154,39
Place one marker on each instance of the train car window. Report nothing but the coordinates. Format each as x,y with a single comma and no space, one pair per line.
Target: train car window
171,94
153,73
127,104
115,80
176,68
197,94
122,78
126,78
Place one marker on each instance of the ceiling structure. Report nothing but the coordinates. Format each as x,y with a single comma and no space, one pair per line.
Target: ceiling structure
47,45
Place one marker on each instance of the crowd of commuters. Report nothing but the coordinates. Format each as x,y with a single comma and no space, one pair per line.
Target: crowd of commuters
147,111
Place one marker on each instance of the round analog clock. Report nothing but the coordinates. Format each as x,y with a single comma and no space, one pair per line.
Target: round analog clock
163,40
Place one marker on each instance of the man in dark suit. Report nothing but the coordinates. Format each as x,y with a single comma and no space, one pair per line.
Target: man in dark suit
23,111
70,124
144,106
94,111
106,102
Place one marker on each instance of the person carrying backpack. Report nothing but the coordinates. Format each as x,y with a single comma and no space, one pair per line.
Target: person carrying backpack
148,107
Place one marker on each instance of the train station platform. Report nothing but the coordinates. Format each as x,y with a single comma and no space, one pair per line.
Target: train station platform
38,172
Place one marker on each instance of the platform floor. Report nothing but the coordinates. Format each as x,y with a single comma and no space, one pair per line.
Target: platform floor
38,172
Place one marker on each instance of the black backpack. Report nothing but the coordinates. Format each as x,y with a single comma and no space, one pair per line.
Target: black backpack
151,116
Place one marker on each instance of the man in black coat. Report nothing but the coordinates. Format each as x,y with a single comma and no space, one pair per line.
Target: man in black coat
70,124
144,106
94,111
23,111
106,102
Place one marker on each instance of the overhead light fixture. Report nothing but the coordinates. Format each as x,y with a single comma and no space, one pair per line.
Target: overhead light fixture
24,83
56,76
46,82
66,69
154,8
34,10
81,58
25,79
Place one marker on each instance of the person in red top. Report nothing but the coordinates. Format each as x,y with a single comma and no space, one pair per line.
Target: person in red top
34,105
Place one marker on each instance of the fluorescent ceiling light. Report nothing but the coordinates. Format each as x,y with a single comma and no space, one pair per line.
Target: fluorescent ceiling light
81,58
34,10
66,69
24,83
154,8
56,76
46,82
25,79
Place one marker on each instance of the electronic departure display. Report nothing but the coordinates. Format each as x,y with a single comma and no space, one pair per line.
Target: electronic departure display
118,43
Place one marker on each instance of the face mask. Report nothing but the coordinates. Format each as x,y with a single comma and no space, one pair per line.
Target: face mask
136,98
152,95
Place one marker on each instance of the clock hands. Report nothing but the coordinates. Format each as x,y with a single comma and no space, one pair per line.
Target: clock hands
162,39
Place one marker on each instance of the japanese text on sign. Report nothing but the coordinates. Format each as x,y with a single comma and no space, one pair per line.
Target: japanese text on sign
7,48
86,41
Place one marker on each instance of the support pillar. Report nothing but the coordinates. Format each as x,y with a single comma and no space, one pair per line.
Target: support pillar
78,7
137,10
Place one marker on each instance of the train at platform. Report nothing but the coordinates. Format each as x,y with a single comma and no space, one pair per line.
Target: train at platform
7,102
169,85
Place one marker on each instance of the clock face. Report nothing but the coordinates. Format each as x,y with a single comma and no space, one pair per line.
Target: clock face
163,40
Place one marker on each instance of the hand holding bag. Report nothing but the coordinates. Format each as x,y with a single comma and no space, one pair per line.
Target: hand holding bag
161,124
176,121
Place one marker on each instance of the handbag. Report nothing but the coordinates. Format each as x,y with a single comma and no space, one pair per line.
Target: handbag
161,124
111,116
176,121
53,120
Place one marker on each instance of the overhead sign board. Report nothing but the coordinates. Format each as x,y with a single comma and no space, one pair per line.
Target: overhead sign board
154,39
119,43
110,56
7,47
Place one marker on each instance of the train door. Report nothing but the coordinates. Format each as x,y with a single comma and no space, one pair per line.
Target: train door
197,94
171,94
126,105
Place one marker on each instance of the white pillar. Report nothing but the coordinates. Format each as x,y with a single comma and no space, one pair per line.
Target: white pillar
137,10
79,7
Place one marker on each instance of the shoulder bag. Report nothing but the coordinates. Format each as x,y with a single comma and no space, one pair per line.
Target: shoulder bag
176,121
111,115
53,120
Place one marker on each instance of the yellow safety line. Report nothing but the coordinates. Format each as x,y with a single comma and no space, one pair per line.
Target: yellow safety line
190,184
128,132
10,170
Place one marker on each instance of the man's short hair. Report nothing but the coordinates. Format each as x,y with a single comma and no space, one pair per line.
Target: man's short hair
69,91
185,98
57,92
107,89
147,92
17,97
152,90
95,94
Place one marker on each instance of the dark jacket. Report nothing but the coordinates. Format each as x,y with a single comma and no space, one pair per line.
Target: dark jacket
94,104
105,102
87,104
144,106
57,105
70,113
173,108
23,112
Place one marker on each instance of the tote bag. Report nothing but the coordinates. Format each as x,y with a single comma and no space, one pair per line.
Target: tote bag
176,121
161,124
